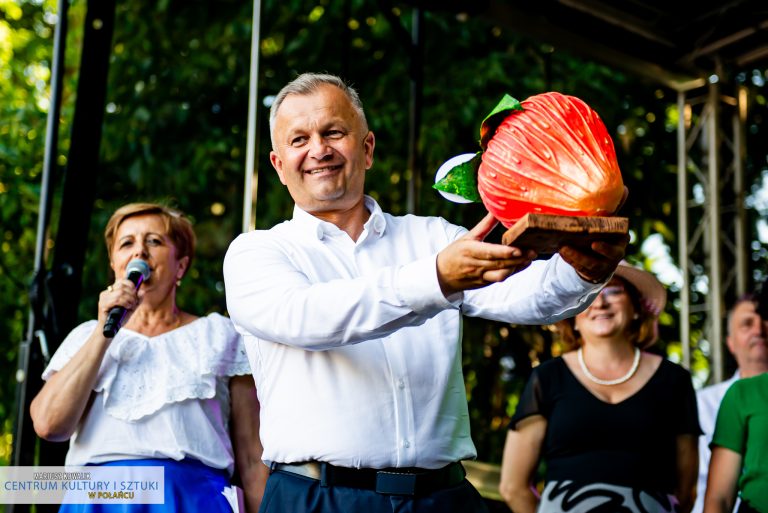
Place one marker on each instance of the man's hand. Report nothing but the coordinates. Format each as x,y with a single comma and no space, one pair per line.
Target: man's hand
595,266
469,263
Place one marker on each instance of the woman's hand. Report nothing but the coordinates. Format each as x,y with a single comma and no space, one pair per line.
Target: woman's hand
121,293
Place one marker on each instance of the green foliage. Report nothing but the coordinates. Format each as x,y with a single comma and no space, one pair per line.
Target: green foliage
175,131
25,46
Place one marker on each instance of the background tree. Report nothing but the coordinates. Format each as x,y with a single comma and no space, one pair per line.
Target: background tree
26,32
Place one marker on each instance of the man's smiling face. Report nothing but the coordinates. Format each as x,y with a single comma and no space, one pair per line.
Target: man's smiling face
322,150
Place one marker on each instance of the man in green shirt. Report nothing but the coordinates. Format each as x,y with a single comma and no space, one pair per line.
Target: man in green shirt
740,449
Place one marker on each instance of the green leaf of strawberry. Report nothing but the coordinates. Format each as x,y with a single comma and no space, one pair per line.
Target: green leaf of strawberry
462,180
494,118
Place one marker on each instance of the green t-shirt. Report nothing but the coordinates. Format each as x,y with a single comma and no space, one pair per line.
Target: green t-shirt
742,426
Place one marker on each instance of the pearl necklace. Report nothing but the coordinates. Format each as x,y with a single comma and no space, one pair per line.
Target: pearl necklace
609,382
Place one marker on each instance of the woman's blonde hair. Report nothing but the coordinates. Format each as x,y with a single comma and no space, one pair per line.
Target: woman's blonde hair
177,226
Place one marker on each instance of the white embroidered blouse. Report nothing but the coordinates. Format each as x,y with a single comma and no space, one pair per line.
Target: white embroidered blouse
159,397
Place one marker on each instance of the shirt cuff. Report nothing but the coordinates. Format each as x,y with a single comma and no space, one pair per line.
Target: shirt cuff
417,286
563,268
573,281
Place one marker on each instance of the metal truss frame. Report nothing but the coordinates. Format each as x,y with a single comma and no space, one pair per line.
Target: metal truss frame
712,242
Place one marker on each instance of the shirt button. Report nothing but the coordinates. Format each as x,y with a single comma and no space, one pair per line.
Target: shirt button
400,384
406,443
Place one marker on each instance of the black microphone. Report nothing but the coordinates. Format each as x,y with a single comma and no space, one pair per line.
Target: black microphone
137,271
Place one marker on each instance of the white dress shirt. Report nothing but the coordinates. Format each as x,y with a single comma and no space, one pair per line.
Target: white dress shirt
159,397
708,402
355,351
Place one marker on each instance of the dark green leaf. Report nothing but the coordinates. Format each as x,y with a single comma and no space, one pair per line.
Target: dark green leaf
496,117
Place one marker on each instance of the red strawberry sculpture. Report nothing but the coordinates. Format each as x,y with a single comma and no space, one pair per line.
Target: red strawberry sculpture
551,155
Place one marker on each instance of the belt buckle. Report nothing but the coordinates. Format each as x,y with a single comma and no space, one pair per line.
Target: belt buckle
395,483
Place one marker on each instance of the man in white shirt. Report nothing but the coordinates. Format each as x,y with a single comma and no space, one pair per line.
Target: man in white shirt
352,321
748,343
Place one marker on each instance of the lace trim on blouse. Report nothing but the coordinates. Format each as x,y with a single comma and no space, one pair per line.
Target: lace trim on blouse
139,374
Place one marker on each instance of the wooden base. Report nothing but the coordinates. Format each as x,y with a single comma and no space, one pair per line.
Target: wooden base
546,233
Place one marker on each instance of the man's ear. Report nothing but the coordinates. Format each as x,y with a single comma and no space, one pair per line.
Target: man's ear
277,163
368,144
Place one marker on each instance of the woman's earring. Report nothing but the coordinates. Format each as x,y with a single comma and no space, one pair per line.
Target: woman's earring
178,282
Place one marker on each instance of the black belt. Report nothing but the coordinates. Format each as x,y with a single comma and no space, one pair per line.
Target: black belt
390,481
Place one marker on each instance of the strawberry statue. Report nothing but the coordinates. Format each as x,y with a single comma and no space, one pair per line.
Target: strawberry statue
550,154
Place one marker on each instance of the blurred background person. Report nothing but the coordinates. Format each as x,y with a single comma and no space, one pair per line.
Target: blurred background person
616,426
170,389
747,343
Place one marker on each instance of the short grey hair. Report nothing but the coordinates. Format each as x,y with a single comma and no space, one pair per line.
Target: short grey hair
309,83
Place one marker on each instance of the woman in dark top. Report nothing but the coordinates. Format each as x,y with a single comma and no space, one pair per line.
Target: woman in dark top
616,426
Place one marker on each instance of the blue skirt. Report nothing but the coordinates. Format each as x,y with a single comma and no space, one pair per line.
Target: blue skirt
190,486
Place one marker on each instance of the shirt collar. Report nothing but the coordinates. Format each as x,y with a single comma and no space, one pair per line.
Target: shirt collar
376,224
310,224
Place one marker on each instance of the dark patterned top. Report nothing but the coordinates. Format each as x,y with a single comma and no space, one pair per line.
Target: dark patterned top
631,443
